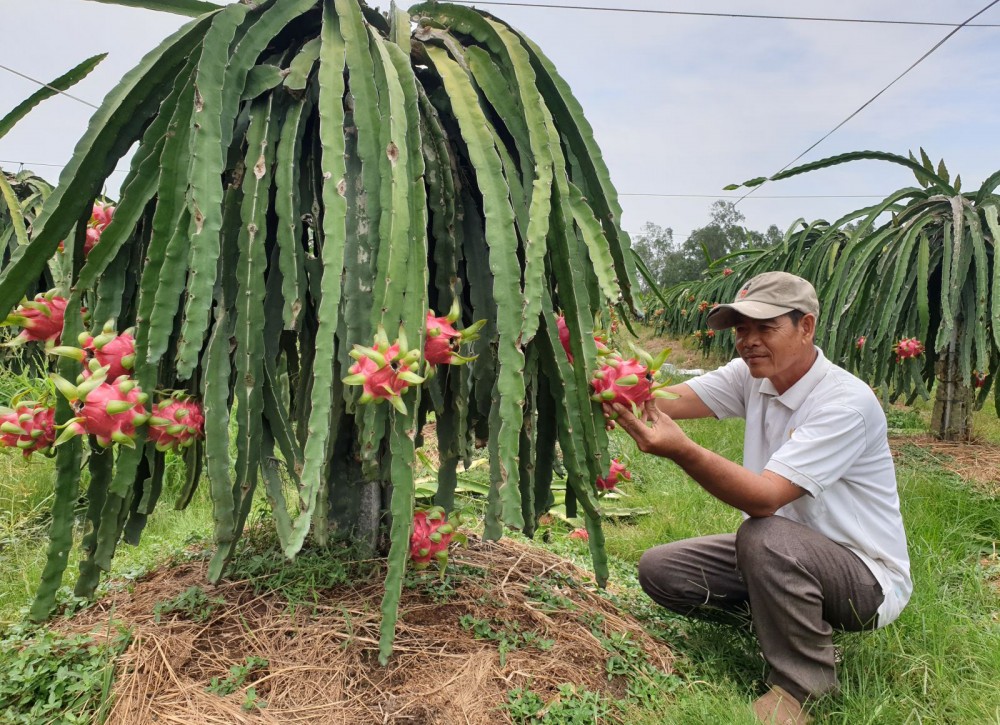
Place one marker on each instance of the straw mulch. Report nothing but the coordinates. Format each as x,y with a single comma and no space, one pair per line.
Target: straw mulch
322,659
975,461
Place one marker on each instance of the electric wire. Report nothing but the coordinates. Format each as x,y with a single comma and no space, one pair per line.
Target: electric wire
867,103
46,85
740,16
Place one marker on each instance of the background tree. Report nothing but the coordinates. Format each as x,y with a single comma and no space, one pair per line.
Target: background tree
306,174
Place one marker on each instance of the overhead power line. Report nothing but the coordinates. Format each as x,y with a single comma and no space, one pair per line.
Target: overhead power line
766,196
741,16
867,103
46,85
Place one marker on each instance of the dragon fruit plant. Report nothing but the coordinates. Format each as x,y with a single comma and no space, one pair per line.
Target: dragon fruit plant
433,532
631,382
616,473
29,427
266,230
109,349
108,411
384,371
442,340
176,423
41,318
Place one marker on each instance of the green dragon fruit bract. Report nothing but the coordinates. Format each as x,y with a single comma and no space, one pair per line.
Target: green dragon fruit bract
385,370
41,318
109,349
28,427
442,341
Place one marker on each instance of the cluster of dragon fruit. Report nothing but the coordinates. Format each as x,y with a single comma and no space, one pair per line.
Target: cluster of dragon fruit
107,403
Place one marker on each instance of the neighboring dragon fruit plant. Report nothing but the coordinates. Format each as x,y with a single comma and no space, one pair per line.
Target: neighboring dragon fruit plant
442,341
108,411
630,382
385,370
111,350
175,423
29,427
616,473
433,531
908,347
41,318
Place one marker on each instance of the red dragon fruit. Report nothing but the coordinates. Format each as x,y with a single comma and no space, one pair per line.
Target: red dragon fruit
978,379
385,370
111,350
908,347
860,343
108,411
443,340
703,305
629,382
175,423
41,318
616,473
727,271
29,427
579,534
432,533
600,339
99,220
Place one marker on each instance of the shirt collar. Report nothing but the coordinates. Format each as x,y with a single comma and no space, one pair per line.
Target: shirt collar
796,395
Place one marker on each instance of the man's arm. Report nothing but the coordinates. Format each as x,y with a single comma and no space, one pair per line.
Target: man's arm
755,495
684,407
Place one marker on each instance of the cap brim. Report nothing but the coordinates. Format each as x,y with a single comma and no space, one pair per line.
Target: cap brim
725,316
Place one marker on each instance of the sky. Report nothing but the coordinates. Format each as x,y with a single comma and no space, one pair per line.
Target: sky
681,106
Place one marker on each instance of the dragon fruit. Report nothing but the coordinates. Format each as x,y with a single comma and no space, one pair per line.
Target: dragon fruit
29,427
432,533
978,379
703,305
860,342
908,347
616,473
108,411
443,340
727,271
109,349
175,423
600,339
579,534
629,382
385,370
99,220
41,318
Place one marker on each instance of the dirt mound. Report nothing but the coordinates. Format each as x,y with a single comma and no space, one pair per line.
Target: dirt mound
508,616
976,461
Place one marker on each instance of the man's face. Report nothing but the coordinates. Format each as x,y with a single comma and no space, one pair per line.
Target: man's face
776,349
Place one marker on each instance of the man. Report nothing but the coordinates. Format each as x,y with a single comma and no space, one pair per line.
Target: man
822,544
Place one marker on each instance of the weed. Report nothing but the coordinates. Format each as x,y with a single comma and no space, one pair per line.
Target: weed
192,603
236,678
251,701
508,635
51,677
549,598
572,706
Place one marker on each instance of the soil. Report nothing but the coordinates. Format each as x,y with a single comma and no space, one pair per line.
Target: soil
322,657
976,461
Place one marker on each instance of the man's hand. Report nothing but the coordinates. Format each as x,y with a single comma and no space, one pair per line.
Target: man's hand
655,432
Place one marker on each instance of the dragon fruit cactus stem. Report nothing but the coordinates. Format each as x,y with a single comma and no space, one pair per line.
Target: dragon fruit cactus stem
108,411
176,423
109,349
443,340
630,382
41,318
29,427
385,370
433,531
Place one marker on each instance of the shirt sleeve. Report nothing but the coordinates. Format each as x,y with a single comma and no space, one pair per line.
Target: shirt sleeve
723,390
821,450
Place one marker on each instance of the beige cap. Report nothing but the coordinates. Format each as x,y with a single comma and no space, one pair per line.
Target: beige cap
767,295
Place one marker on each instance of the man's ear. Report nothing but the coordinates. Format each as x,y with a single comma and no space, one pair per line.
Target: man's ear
808,324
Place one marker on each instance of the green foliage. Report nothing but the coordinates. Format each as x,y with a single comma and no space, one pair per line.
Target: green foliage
237,677
193,603
573,706
305,173
507,635
52,677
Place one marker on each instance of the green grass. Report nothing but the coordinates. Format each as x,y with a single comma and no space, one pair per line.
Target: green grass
938,663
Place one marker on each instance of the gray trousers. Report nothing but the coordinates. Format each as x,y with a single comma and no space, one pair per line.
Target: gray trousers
797,583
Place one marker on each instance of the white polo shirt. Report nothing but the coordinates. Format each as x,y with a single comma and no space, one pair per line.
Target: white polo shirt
827,435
